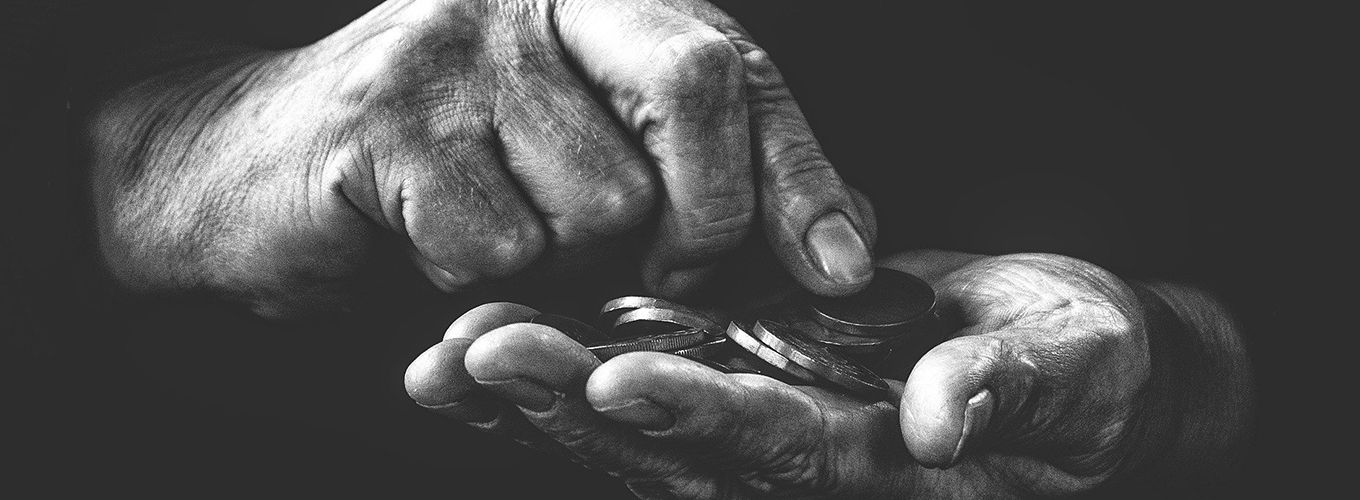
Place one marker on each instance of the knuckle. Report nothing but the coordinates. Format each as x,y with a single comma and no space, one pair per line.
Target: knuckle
612,206
483,250
719,225
808,175
799,161
696,67
523,60
509,249
807,184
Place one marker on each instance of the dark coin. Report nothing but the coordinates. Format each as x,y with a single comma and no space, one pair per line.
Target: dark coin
768,354
652,320
576,329
840,371
661,342
890,306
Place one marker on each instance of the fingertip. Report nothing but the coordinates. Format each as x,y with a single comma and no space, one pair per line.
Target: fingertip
528,351
839,254
943,391
487,317
437,377
666,380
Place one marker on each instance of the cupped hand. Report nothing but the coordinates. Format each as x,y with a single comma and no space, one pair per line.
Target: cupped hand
486,135
1037,393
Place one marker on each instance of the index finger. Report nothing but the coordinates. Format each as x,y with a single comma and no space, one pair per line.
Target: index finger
721,126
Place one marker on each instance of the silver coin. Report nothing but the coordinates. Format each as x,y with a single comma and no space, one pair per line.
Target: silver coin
711,349
839,342
798,316
893,304
572,327
713,353
650,320
800,351
661,342
610,312
751,344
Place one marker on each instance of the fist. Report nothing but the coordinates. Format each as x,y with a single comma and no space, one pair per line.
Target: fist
481,136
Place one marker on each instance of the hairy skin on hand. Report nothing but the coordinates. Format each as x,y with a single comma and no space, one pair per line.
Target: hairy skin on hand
485,136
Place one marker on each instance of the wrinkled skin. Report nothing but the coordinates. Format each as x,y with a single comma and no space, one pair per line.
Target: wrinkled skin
1046,365
485,137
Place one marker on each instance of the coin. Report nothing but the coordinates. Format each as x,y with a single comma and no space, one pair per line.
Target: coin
661,342
835,340
891,305
650,320
798,316
711,349
800,351
610,312
574,328
744,338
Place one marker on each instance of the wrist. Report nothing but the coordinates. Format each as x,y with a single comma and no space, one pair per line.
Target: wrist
1196,413
154,148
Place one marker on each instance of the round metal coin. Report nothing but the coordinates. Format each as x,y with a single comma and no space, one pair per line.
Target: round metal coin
844,373
837,341
888,307
661,342
712,349
767,354
574,328
649,320
610,312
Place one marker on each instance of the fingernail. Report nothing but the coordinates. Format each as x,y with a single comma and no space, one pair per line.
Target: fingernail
641,413
677,282
473,409
526,393
975,418
838,250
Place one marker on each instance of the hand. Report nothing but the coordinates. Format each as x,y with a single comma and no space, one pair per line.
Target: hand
486,136
1041,392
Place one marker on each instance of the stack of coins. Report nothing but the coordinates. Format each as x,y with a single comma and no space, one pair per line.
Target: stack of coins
848,344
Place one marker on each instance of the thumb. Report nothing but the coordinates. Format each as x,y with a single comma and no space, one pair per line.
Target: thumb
958,393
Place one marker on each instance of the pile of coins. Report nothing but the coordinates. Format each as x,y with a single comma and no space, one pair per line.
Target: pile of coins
848,344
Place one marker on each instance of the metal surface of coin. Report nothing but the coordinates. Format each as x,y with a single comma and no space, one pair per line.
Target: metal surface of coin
610,312
574,328
798,316
837,341
713,353
844,373
892,305
712,349
651,320
768,354
662,342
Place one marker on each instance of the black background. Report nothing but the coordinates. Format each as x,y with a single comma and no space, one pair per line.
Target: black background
1182,141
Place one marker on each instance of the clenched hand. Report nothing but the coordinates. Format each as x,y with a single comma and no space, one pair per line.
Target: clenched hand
484,134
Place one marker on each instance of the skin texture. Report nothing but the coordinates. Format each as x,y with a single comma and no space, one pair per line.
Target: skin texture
1045,389
482,137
